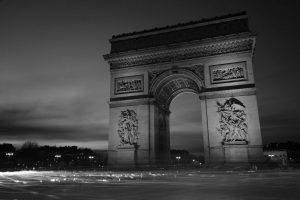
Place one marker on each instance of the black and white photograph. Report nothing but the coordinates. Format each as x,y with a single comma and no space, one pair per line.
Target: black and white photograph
149,100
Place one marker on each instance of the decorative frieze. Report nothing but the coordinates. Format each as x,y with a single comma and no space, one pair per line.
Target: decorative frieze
167,91
198,70
177,54
128,128
232,121
228,72
154,74
129,84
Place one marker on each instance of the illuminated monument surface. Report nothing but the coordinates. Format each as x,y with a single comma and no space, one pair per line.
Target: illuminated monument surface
212,58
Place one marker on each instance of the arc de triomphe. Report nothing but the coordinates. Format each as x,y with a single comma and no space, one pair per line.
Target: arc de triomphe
212,58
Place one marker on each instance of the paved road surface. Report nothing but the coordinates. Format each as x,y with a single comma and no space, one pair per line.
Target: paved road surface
164,185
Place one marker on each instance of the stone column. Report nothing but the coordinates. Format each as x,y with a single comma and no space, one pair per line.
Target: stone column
205,131
162,137
136,148
233,126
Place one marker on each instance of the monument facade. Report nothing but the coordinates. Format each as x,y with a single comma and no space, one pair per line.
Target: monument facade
212,58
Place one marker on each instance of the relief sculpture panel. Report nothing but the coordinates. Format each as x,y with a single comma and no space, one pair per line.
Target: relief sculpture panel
129,84
232,120
128,128
228,72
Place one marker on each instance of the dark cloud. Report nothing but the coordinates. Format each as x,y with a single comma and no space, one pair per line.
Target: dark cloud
71,133
20,123
191,141
281,126
192,115
20,114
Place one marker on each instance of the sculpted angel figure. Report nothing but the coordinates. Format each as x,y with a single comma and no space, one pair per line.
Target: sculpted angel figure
233,125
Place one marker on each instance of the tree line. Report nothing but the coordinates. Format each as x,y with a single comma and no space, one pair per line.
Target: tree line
32,156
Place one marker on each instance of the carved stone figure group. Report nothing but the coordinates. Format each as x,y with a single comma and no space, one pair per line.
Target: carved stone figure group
232,122
125,86
128,128
228,74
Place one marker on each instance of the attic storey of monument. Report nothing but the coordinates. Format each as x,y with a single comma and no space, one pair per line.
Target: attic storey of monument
212,58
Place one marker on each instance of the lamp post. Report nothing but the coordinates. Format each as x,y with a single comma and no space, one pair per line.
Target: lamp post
178,158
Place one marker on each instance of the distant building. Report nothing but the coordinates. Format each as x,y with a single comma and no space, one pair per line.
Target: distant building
184,158
289,149
33,156
7,150
278,156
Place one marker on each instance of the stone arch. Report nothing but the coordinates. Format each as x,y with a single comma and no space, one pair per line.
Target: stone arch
167,85
139,84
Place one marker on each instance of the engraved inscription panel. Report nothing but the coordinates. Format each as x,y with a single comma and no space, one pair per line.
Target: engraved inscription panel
228,72
129,84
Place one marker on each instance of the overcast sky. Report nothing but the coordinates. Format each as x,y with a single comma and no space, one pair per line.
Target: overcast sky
54,83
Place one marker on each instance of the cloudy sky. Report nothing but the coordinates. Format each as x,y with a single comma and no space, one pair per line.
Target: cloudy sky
54,83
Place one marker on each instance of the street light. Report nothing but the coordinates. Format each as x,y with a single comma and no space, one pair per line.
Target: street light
178,158
57,156
9,154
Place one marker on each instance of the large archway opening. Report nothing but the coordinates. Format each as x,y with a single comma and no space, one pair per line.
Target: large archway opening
176,93
186,135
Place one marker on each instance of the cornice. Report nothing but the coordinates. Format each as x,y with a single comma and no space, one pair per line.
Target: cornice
180,26
180,52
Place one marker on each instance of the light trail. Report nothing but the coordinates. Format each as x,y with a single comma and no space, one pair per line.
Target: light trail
38,177
5,178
